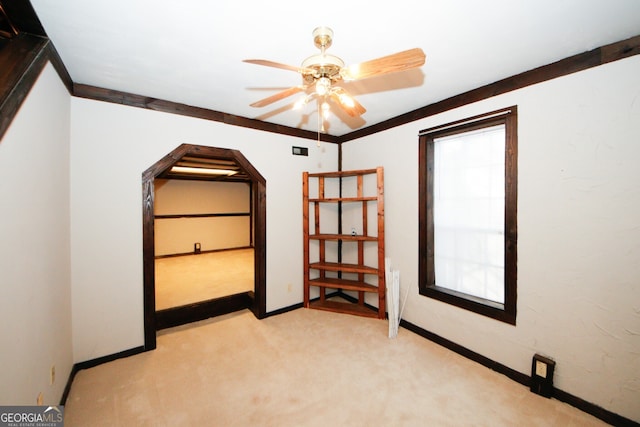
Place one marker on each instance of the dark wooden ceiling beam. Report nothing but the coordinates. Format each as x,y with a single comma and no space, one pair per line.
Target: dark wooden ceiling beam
21,62
593,58
23,55
22,17
7,29
133,100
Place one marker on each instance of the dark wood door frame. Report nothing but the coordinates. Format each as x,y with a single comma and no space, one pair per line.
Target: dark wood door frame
254,300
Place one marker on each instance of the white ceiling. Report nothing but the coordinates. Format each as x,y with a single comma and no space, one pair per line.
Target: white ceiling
191,51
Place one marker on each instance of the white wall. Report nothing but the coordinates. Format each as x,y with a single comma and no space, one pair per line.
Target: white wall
189,197
35,278
579,232
111,145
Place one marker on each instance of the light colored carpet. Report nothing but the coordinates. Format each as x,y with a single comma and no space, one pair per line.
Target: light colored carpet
304,368
187,279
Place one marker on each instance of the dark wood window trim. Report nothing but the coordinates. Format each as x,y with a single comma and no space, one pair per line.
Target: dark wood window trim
504,312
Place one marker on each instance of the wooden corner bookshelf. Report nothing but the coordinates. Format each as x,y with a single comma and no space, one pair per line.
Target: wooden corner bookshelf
323,266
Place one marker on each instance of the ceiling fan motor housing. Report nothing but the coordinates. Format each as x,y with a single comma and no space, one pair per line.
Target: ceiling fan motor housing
322,37
322,64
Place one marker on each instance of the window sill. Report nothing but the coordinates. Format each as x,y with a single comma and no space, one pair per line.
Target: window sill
472,303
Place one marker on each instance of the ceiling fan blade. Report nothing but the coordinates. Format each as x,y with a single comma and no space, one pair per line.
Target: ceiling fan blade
347,102
267,63
400,61
278,96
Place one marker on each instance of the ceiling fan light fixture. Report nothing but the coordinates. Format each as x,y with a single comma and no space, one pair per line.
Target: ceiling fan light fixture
349,73
323,85
346,100
326,110
301,102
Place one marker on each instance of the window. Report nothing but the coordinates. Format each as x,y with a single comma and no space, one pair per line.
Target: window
468,213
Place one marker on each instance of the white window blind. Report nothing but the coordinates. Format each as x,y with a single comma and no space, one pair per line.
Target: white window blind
468,212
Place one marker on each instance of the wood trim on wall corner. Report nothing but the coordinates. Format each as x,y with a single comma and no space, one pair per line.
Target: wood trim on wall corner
59,66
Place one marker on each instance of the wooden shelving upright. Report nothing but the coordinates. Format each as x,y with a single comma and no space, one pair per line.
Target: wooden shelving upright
358,272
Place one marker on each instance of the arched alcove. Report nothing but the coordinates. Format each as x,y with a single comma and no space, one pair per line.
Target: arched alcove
254,300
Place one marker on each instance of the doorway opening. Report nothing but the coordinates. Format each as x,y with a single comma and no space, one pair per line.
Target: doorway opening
196,162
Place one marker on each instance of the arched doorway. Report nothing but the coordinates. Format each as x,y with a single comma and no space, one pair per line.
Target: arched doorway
254,300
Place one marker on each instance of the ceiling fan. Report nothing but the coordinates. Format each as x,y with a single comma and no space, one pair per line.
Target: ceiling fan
322,74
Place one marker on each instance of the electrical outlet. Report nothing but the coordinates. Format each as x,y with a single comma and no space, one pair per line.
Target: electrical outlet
52,375
289,287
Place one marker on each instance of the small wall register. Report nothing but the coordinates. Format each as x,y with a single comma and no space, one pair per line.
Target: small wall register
32,416
542,375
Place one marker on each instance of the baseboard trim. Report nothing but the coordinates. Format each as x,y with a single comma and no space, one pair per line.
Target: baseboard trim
341,294
202,252
126,353
283,310
469,354
581,404
593,409
67,387
77,367
202,310
299,305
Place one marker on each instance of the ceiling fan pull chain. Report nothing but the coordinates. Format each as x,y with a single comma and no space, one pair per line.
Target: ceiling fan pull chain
318,143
